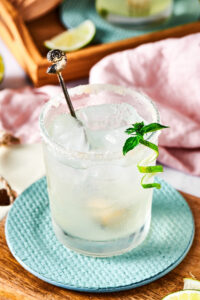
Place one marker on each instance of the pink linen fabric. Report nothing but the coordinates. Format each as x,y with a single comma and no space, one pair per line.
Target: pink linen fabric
169,72
20,110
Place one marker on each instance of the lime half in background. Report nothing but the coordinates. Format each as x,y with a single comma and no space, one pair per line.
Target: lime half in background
1,68
73,39
184,295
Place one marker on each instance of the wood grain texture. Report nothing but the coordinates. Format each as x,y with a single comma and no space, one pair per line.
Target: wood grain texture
26,43
17,284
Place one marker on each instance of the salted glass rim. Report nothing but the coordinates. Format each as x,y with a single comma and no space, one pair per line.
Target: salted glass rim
87,89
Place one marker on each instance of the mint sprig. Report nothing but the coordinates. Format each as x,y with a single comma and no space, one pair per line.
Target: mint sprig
137,132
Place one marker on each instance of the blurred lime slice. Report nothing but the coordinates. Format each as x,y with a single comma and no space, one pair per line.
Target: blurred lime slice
184,295
191,284
73,39
1,68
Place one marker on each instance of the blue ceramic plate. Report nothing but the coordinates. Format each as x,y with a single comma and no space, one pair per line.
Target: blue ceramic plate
32,242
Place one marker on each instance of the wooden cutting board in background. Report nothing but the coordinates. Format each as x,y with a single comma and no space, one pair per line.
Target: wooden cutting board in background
18,284
25,41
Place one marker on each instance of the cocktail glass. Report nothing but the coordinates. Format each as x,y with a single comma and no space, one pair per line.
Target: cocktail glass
135,12
98,206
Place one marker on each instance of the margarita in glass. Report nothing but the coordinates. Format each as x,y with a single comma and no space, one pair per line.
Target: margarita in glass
97,203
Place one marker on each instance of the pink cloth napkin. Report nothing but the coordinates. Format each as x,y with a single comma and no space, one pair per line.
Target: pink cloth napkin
20,110
169,72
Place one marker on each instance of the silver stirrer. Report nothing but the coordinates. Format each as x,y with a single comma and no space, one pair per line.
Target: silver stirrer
59,61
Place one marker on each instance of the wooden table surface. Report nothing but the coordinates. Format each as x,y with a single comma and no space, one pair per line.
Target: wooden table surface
18,284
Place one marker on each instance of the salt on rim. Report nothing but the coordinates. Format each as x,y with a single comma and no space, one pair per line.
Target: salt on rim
94,89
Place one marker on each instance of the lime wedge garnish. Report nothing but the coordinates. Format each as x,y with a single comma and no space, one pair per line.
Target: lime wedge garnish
184,295
1,68
191,284
73,39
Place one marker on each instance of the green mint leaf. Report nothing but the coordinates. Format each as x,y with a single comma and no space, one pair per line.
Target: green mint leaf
152,127
136,129
130,144
130,130
138,126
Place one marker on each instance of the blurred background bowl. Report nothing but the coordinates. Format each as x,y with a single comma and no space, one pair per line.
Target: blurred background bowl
32,9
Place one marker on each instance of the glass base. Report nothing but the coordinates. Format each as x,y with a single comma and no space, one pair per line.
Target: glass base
141,21
102,248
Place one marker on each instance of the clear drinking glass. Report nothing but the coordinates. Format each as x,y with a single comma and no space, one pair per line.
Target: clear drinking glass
135,12
98,206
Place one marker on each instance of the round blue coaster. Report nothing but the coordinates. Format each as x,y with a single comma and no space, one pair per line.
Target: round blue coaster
32,241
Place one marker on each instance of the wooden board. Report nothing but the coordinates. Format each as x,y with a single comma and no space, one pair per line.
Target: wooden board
26,43
17,284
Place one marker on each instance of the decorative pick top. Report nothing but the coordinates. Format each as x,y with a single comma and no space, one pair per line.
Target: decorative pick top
59,60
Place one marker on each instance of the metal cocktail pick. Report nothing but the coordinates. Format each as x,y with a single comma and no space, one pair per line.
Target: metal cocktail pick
59,60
